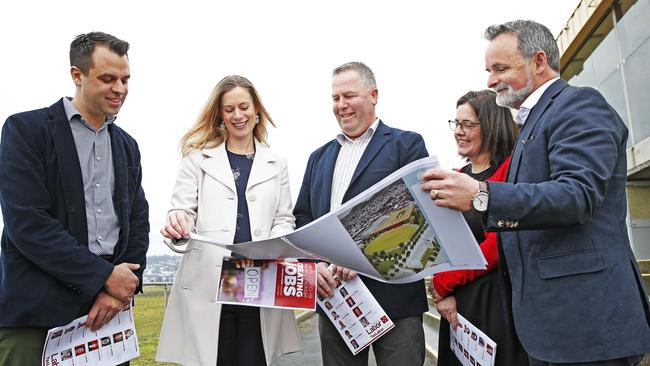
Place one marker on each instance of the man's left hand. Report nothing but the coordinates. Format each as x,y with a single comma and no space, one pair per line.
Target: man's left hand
450,189
343,273
104,309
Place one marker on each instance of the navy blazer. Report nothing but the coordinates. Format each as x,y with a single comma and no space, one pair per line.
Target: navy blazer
47,271
577,295
388,150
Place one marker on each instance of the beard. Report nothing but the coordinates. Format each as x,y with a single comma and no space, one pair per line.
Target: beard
513,98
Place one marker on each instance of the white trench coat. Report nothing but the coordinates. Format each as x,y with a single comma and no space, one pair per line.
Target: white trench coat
205,190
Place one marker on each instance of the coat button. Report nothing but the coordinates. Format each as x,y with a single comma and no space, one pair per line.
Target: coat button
251,198
257,232
500,223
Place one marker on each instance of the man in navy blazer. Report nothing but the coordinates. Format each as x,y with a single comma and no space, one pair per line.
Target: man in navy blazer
75,225
576,292
364,152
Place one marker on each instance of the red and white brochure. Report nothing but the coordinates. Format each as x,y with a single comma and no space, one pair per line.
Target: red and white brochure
269,284
356,314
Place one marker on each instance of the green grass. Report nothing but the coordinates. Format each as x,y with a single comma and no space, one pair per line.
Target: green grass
389,240
149,312
384,267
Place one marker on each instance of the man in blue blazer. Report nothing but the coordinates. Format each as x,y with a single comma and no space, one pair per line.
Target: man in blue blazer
363,153
75,216
576,292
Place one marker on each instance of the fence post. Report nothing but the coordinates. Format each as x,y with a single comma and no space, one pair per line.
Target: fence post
164,296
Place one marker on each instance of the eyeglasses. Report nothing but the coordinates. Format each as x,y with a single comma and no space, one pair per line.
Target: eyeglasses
465,125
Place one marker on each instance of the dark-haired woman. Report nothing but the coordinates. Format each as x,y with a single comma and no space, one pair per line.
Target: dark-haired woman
485,136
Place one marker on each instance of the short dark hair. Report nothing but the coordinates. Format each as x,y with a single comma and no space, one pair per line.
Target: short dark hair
83,45
531,37
496,124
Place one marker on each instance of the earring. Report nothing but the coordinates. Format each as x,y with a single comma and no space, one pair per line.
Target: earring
257,119
223,125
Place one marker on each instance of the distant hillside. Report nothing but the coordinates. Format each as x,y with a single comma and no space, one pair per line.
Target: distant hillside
161,268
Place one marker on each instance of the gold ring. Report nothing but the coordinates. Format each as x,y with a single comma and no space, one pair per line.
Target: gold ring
434,194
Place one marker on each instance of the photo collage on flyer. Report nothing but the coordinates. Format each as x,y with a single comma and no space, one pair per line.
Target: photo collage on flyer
356,314
471,345
76,345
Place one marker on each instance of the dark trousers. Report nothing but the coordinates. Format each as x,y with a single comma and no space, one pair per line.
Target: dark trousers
240,337
21,346
626,361
403,345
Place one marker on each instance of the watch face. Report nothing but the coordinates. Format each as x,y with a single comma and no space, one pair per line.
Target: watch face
480,201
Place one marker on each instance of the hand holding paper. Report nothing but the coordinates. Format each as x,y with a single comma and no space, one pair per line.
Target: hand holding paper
178,225
447,308
326,283
103,310
344,273
452,189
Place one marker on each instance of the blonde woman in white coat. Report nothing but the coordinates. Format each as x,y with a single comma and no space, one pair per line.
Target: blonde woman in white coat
231,188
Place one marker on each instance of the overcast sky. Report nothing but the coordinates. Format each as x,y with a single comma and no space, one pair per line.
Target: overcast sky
425,54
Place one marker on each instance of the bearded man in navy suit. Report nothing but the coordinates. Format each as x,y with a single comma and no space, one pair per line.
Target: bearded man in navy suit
363,153
573,288
76,222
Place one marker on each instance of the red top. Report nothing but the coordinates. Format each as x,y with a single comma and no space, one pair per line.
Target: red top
446,282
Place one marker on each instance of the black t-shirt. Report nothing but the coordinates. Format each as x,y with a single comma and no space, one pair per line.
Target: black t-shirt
475,219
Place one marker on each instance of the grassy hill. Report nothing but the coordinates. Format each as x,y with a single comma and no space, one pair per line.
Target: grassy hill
149,312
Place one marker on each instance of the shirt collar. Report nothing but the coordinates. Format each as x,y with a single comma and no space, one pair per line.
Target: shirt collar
533,98
531,101
342,137
71,112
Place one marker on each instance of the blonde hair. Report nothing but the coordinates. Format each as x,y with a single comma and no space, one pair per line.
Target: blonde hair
207,131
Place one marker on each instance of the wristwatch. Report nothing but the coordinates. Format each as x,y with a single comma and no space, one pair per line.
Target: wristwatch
480,199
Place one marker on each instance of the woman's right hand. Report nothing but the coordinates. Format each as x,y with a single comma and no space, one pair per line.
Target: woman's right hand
243,263
447,308
178,225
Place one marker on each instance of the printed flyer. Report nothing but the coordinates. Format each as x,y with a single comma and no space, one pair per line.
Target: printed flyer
471,345
356,314
268,283
76,345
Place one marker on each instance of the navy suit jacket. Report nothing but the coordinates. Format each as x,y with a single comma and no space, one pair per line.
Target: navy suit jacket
47,271
388,150
577,295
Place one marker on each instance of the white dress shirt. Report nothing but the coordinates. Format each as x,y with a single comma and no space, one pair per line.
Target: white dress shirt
347,161
531,101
